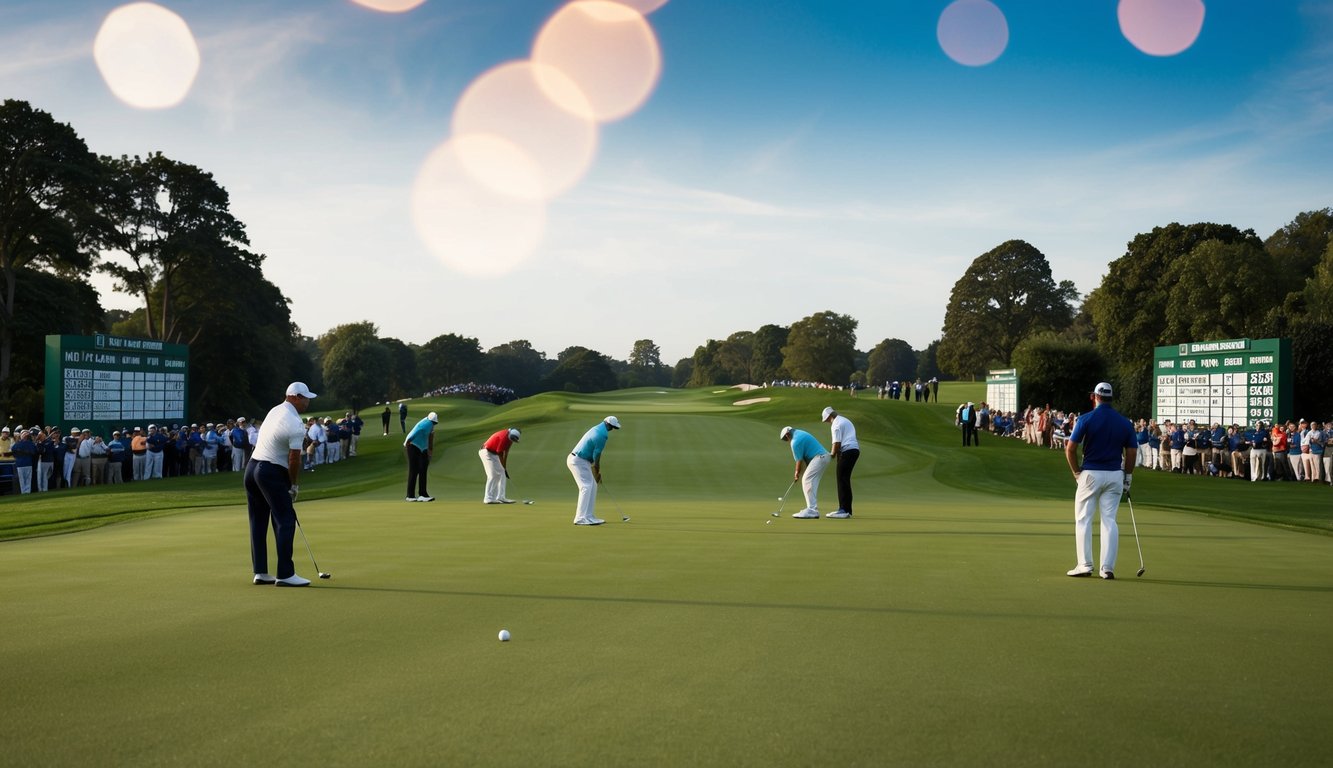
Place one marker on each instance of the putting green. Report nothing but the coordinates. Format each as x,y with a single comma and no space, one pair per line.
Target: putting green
935,627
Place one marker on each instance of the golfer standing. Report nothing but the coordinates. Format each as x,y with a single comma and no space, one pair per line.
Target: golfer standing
1109,450
420,446
271,488
845,452
494,456
585,464
811,461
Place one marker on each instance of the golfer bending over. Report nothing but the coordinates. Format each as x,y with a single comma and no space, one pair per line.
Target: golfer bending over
585,464
270,486
495,460
1109,450
811,460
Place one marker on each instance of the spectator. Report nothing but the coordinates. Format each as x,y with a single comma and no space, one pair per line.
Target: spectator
116,452
99,458
1294,451
25,457
1312,452
240,442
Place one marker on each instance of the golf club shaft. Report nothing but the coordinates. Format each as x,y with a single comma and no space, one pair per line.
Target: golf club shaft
307,546
785,494
1135,524
614,505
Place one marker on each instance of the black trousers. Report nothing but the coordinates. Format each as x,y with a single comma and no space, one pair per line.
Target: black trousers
270,503
846,463
970,435
418,462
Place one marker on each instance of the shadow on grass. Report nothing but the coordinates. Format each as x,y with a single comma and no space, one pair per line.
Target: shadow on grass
726,604
1235,585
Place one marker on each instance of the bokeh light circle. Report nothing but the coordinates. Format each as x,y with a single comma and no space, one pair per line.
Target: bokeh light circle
509,102
643,6
147,55
972,32
467,225
390,6
608,50
1161,27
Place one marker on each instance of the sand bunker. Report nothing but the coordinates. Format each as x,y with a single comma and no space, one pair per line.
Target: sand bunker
752,401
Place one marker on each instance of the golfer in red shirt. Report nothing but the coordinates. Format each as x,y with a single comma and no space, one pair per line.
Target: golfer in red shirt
495,459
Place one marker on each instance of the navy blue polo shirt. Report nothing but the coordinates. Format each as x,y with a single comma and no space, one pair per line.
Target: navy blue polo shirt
1105,435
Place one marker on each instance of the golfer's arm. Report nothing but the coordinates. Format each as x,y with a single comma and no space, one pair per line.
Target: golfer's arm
836,447
1071,456
1130,455
294,464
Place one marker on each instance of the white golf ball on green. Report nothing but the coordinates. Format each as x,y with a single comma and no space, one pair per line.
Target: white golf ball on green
504,635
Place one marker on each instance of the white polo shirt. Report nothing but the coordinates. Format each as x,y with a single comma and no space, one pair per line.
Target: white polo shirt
844,434
282,431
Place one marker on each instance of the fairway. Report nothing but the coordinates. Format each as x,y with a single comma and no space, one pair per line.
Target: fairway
936,627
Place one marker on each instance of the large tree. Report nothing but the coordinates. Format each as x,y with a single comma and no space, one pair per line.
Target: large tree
585,371
1297,248
735,355
517,365
1129,308
890,360
645,368
49,186
1220,291
354,369
821,347
1057,371
450,359
705,370
169,219
766,353
1005,294
401,378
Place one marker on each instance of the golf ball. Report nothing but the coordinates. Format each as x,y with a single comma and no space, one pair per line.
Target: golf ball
768,522
504,635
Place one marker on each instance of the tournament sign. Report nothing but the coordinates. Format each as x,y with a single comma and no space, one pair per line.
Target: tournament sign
106,382
1002,390
1236,381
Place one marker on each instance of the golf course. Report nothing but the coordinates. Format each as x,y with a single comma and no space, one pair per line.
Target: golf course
935,627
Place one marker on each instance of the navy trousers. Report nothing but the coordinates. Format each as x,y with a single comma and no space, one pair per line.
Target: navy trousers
418,462
269,502
846,463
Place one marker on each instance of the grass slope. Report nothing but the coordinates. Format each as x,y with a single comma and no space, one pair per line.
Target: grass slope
936,627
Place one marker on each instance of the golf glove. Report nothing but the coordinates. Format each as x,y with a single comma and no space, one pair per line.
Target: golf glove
296,489
1129,480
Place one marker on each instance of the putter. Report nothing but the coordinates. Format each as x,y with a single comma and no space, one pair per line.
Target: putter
623,517
322,574
1136,534
529,501
782,500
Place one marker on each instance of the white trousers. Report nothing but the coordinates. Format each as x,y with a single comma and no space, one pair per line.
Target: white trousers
1258,465
237,459
43,476
810,480
1328,467
495,476
1098,493
140,461
581,469
1313,466
68,469
351,448
153,466
1297,466
25,479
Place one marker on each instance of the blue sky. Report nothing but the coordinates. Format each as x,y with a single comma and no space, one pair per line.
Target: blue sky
796,155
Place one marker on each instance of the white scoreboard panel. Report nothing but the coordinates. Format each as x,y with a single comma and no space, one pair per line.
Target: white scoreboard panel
114,381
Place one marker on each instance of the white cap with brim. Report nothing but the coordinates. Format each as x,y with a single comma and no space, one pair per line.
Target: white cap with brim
612,422
434,417
828,411
299,389
1103,389
782,435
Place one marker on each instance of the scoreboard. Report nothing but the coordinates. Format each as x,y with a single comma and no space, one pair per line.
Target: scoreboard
1002,390
1236,381
106,382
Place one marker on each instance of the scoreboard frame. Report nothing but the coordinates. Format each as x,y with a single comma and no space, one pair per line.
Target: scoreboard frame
1002,390
1232,381
105,382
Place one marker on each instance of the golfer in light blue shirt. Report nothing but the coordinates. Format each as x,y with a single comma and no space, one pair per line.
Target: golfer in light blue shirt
585,464
812,459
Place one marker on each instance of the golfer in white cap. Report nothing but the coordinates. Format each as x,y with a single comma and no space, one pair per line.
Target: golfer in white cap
811,461
494,456
585,464
271,487
845,452
1109,450
420,446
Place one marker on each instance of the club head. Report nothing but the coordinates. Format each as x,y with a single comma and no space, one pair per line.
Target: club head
325,575
775,514
529,501
1140,573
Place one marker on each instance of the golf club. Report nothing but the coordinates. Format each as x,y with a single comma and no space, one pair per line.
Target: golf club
322,574
782,500
623,517
529,501
1135,523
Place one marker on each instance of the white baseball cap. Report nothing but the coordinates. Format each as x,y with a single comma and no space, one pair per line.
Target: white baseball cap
1103,389
299,389
786,431
514,435
434,417
612,422
828,411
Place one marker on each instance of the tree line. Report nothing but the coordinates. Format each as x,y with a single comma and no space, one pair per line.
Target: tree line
1178,283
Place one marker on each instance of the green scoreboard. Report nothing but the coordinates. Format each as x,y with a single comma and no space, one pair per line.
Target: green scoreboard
1236,381
106,382
1002,390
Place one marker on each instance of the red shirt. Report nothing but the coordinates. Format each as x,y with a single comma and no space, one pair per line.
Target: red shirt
499,442
1279,440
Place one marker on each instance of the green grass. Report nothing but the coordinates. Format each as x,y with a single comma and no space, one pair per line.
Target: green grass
936,627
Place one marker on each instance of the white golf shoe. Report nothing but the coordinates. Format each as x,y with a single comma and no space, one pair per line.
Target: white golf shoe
840,514
425,498
293,581
806,514
1080,572
264,578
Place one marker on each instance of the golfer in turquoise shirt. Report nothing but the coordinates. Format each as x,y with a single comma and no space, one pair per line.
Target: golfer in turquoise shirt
585,464
812,459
